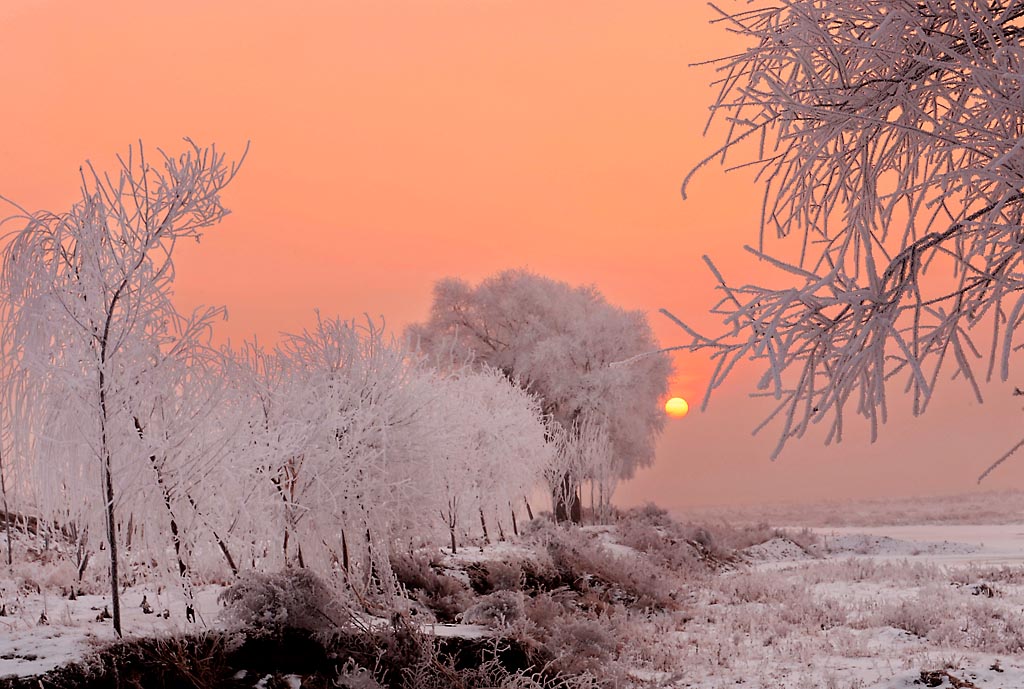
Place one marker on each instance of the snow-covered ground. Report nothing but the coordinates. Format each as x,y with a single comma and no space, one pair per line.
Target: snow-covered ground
991,544
887,607
30,645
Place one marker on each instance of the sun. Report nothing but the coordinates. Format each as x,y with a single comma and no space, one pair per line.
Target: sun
677,407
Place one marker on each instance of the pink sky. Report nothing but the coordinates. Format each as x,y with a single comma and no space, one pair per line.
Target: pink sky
395,143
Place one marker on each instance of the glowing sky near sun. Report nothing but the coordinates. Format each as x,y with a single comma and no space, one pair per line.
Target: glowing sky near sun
395,143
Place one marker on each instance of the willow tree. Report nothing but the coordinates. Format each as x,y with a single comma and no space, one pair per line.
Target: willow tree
90,297
887,136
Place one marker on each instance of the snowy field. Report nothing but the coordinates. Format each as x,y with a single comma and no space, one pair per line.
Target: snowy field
976,507
853,607
978,544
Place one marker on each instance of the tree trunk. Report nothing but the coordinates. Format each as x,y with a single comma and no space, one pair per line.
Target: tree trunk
483,525
7,511
165,493
529,510
567,502
451,520
115,594
108,492
220,541
344,552
7,529
374,577
515,526
83,562
279,484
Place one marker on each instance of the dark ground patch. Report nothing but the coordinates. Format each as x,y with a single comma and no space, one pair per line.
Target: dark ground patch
396,659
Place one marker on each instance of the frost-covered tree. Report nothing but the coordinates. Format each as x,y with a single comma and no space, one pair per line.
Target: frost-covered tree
185,432
492,451
337,445
90,301
887,135
586,451
558,342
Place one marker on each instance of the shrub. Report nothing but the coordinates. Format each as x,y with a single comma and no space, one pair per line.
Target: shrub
443,595
414,571
268,604
587,567
582,645
948,619
650,514
504,576
544,609
352,676
640,535
498,609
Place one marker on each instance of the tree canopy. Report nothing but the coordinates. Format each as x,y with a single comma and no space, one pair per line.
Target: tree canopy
567,345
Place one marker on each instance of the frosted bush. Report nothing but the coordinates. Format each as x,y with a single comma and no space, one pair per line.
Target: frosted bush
51,576
414,571
813,615
944,617
862,569
586,566
758,587
544,610
504,576
652,641
640,535
650,514
724,540
352,676
1003,575
445,596
271,603
498,609
652,530
582,645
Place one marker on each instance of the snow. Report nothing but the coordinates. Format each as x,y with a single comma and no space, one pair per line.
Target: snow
606,538
863,608
293,681
776,550
990,544
73,630
502,550
978,676
461,631
833,615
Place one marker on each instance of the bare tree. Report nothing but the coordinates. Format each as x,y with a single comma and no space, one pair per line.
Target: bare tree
90,293
888,138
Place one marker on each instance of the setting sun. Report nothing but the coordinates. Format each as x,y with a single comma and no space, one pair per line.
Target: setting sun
677,407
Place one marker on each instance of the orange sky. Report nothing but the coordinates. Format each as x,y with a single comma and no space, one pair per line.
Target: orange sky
395,143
